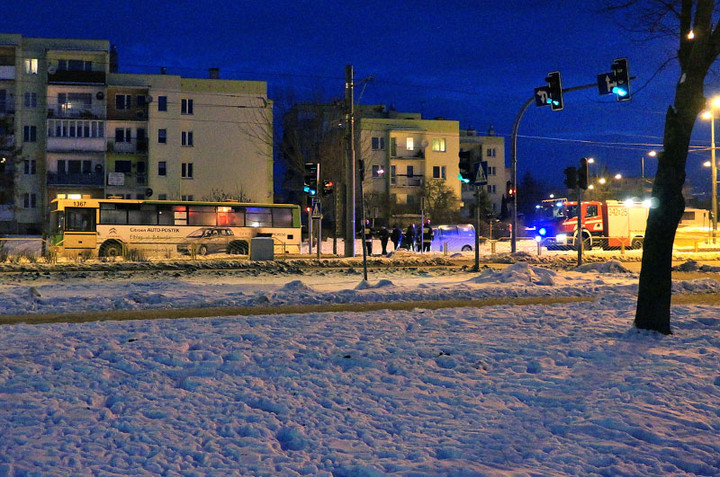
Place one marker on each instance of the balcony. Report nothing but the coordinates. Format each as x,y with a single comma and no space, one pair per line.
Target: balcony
407,181
7,72
76,77
126,179
76,179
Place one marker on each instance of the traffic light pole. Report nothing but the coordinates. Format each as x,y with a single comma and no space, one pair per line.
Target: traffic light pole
516,126
350,173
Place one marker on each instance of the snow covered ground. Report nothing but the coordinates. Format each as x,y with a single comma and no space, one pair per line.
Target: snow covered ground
555,389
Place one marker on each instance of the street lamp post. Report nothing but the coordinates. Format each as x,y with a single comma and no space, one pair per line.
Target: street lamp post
710,114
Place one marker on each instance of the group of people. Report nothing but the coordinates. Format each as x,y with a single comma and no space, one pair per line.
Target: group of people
415,238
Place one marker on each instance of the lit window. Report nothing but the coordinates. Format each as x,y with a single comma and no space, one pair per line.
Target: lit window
31,66
377,170
410,144
438,144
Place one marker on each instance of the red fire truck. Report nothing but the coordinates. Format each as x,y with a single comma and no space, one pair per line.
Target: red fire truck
605,224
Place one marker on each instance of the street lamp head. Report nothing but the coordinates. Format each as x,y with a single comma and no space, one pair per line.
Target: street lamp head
715,102
590,160
652,153
618,176
601,180
707,163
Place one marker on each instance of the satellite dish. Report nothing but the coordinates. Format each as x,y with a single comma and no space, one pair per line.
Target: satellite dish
100,95
52,69
148,192
424,143
148,99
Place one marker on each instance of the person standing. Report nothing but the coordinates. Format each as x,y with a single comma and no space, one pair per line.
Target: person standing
427,236
368,237
383,234
396,236
409,238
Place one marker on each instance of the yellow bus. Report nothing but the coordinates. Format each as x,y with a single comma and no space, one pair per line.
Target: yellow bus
111,227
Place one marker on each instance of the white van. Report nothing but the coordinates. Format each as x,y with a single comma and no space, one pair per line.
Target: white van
459,238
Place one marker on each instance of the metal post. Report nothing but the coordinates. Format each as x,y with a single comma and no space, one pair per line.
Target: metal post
477,230
713,173
310,230
350,164
319,237
578,239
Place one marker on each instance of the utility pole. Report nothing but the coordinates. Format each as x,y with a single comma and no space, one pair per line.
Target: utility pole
349,163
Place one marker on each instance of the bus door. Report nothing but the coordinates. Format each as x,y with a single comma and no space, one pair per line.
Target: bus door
80,228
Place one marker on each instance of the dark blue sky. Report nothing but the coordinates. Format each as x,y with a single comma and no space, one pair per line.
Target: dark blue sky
474,61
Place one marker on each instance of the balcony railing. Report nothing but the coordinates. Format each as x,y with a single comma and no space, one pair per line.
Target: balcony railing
75,77
405,181
76,178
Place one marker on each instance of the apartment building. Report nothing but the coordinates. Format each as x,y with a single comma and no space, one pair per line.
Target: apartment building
491,150
70,124
401,153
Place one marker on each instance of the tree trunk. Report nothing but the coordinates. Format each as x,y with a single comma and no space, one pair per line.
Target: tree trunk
655,289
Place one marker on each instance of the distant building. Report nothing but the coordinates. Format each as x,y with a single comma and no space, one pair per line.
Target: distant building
491,150
70,124
402,152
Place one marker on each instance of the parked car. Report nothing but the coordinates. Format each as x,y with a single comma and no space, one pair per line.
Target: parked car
206,240
459,238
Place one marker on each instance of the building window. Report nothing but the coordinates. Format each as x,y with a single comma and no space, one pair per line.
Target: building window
123,166
162,136
123,135
31,66
491,152
30,133
30,100
409,144
393,175
30,200
123,101
378,143
187,197
187,138
74,65
30,166
162,168
162,103
186,170
186,106
410,171
377,170
65,128
162,196
439,172
438,144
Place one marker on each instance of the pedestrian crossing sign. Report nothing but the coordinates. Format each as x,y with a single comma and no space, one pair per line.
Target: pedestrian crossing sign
480,173
316,214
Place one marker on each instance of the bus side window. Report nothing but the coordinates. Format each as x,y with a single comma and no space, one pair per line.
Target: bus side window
80,220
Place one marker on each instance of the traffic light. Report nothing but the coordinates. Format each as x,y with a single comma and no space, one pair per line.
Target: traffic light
570,177
509,190
465,166
310,184
328,187
582,174
622,79
554,91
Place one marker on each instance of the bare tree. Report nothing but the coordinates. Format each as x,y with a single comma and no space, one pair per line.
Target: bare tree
691,21
441,203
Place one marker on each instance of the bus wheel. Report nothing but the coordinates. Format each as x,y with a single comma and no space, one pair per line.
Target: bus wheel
238,247
466,248
636,243
202,250
112,249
